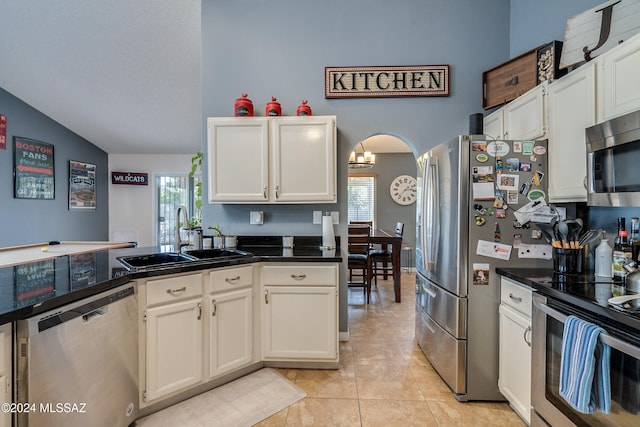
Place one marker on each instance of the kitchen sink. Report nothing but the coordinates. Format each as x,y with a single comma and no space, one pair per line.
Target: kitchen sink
217,254
150,261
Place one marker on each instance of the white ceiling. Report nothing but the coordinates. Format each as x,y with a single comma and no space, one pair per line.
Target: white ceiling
123,74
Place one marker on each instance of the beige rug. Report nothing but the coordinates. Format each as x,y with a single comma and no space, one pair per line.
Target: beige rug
243,402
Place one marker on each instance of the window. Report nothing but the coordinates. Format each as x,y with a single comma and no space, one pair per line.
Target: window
173,191
361,194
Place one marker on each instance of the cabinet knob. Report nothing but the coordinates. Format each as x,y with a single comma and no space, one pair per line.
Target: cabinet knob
176,291
232,280
266,297
214,307
298,276
199,311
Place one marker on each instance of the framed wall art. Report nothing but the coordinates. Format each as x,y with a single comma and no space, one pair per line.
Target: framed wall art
82,185
33,174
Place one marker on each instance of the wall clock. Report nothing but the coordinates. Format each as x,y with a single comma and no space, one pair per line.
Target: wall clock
403,190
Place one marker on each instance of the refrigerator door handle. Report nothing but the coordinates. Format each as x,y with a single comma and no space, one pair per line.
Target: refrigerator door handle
432,213
423,216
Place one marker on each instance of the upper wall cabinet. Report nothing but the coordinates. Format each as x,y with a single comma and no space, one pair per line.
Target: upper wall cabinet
272,160
522,118
572,108
619,80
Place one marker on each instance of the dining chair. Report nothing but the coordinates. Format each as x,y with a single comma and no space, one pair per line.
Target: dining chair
382,260
359,261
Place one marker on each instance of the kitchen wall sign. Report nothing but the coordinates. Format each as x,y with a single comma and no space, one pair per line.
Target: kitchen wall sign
82,185
33,175
386,81
130,178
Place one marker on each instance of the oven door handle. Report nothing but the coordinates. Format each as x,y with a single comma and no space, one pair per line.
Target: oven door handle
613,342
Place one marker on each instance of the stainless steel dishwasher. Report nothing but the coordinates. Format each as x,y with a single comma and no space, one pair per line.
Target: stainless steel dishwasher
78,365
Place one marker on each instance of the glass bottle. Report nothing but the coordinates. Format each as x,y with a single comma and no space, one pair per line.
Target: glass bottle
621,227
621,253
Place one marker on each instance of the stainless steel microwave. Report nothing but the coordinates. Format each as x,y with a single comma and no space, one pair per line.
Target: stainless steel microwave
613,162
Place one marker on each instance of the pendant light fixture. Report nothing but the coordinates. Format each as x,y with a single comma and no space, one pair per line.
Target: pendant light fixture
362,159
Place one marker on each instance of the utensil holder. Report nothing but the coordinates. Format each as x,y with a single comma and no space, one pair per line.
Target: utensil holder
567,261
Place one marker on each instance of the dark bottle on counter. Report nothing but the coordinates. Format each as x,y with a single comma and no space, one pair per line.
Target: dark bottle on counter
622,252
621,227
634,238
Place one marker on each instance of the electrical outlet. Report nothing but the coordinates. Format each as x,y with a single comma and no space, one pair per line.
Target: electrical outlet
256,217
317,217
335,217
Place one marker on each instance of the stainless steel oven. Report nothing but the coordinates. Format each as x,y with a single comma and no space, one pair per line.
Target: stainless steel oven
549,408
613,156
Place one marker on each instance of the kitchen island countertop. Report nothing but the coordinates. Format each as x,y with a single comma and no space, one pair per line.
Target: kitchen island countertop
33,287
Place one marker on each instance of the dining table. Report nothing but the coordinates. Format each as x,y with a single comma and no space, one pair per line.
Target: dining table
386,238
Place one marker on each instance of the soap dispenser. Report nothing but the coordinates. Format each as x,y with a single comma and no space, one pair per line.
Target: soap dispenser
604,258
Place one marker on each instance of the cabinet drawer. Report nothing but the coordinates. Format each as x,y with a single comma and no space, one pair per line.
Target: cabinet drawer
300,275
174,289
230,278
516,296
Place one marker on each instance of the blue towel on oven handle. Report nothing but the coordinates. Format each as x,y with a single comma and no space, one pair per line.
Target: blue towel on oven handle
584,367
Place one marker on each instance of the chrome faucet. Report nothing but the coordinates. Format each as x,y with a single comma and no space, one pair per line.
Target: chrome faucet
179,242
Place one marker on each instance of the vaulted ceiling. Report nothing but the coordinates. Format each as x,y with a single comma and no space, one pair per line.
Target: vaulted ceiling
123,74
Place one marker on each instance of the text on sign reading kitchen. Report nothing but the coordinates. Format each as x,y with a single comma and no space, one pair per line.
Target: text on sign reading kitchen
386,81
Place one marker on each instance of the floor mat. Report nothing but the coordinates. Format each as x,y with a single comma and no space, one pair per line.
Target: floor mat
243,402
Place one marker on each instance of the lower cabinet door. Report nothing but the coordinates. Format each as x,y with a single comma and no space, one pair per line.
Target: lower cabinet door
231,331
174,347
300,322
514,379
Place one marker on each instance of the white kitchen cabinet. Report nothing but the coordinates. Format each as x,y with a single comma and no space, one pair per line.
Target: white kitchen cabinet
514,365
525,116
618,90
230,319
522,118
173,335
5,372
572,108
300,313
272,160
493,125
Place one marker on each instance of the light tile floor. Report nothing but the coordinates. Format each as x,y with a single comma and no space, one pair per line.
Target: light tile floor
384,379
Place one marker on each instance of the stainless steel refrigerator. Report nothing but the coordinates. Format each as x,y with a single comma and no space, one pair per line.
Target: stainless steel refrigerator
469,191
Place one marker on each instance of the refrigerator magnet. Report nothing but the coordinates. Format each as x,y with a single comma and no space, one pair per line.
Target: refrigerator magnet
481,273
482,157
539,150
527,147
497,148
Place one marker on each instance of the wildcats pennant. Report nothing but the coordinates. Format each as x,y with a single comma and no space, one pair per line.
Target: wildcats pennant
386,81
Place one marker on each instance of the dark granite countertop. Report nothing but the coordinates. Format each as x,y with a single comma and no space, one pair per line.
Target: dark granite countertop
35,287
578,290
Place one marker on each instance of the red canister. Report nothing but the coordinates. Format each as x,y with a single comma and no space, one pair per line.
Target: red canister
273,108
243,107
303,109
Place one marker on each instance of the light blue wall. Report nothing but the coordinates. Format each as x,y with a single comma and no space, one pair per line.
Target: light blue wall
267,48
534,23
280,48
25,221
